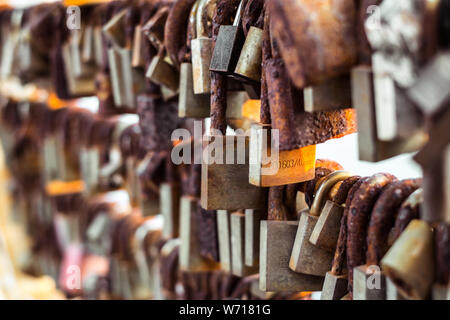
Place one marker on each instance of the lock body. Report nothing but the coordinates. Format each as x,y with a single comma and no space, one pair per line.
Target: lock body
277,238
202,49
163,73
191,259
333,94
334,287
191,105
307,258
225,186
239,268
227,48
368,283
409,262
252,228
249,63
326,231
224,238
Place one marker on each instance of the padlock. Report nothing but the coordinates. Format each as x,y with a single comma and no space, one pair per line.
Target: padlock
307,258
273,167
202,47
252,228
224,238
357,224
225,183
250,59
277,239
228,45
137,60
238,266
162,72
369,280
87,53
326,231
89,167
169,196
409,263
98,45
335,283
333,94
371,148
207,233
441,287
331,51
191,105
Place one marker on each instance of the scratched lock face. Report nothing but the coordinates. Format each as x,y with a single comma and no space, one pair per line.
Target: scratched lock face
73,21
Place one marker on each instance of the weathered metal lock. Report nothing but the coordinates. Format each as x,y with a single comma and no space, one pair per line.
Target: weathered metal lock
409,263
252,228
224,238
335,284
326,231
169,197
270,166
333,94
277,238
202,47
162,72
307,258
371,147
225,183
89,168
191,105
369,281
228,45
238,266
249,63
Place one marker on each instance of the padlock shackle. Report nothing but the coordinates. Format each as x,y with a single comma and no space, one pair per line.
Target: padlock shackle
326,185
202,24
238,17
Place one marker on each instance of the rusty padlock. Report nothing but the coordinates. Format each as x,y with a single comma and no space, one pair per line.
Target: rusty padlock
277,238
228,45
202,47
369,280
307,258
162,72
357,222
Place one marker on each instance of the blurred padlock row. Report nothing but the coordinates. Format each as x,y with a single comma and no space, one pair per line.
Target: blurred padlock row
100,191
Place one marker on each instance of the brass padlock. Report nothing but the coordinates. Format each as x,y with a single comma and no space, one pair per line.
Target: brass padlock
277,239
238,266
249,63
202,47
225,183
333,94
191,105
271,167
307,258
409,263
326,231
335,284
228,45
